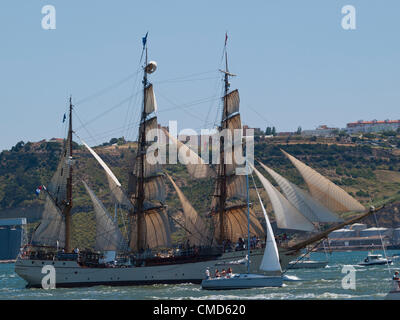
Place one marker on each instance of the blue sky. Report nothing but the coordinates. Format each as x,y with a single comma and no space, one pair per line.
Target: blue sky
296,66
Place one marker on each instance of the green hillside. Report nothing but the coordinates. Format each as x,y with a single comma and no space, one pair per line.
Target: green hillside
372,175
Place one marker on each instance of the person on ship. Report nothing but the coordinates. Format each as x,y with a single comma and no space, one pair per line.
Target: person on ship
229,272
208,276
396,281
217,275
223,273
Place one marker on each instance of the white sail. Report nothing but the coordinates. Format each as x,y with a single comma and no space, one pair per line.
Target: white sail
108,235
270,260
194,224
115,186
325,191
310,208
51,228
151,103
196,166
287,216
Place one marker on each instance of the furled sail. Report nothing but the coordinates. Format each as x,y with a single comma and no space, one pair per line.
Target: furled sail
108,235
270,260
287,216
198,233
235,225
115,186
325,191
196,166
151,103
310,208
51,228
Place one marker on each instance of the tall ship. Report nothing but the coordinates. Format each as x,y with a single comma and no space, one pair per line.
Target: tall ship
144,254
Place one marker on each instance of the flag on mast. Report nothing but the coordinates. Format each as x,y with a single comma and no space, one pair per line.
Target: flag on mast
38,189
144,39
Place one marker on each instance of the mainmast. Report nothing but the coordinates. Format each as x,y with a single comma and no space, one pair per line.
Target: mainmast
68,206
222,173
142,151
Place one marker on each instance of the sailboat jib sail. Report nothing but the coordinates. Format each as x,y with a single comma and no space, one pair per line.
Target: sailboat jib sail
324,190
270,261
108,235
115,186
287,216
309,207
198,232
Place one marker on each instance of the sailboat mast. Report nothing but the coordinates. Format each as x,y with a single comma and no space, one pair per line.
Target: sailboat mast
222,176
142,147
68,207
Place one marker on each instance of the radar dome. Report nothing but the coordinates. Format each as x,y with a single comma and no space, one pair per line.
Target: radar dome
151,67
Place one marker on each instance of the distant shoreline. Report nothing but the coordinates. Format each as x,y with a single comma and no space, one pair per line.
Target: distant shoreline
7,261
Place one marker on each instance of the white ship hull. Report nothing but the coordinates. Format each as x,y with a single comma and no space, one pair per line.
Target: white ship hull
242,281
308,264
70,274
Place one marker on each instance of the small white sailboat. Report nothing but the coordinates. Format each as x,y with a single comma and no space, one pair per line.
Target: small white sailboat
269,263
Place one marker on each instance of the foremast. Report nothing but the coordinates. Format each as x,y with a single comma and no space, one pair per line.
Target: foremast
139,206
149,226
68,207
222,169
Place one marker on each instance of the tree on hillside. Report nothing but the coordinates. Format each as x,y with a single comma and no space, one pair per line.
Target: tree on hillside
273,132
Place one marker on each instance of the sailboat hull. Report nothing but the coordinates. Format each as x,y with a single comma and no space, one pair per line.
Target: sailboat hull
70,274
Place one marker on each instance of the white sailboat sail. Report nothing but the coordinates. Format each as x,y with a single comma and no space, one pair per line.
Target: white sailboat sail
270,260
310,208
151,102
108,235
324,190
198,233
115,186
287,216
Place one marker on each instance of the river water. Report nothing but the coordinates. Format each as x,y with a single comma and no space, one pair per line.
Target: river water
371,283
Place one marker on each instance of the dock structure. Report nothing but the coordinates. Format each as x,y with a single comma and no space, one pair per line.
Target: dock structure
12,235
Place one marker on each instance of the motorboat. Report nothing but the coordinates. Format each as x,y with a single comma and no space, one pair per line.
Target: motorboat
374,259
307,264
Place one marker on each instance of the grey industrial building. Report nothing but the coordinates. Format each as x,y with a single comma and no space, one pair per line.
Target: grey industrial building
12,237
